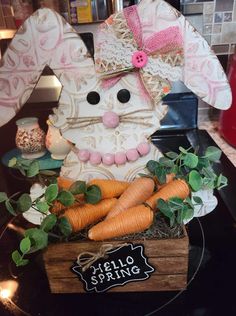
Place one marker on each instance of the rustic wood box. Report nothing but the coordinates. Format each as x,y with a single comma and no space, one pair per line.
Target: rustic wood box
169,257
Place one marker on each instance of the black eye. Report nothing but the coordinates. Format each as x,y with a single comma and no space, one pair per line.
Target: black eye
93,97
123,95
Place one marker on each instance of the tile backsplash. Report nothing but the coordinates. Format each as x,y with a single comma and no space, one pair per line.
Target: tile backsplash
216,21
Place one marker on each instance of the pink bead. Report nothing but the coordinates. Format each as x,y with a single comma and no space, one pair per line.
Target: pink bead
108,159
120,158
95,158
139,59
83,155
132,154
143,148
110,119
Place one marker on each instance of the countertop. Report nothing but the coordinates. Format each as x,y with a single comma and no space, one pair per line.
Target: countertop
212,128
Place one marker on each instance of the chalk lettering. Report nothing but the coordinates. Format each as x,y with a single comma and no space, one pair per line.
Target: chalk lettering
101,277
107,266
123,272
97,269
110,276
114,265
121,263
93,280
129,260
135,270
117,273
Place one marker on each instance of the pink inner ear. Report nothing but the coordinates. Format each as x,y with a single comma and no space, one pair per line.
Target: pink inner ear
164,41
109,83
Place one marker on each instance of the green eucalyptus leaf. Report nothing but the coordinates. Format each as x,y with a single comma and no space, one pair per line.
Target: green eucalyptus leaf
24,203
195,180
23,262
197,200
51,193
33,169
164,208
93,194
38,238
190,160
16,257
49,173
10,208
166,162
42,206
48,222
174,169
203,163
66,198
221,182
213,153
12,162
160,173
64,226
189,202
78,187
176,203
208,183
188,213
171,155
25,245
3,197
209,173
183,150
151,166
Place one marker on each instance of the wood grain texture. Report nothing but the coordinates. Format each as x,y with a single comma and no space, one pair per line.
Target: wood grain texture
169,257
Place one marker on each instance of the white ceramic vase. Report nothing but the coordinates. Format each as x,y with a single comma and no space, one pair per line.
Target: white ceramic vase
58,146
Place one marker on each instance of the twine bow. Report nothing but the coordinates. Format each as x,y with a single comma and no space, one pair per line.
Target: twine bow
86,259
155,58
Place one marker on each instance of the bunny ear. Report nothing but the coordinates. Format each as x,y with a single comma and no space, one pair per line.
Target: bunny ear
202,72
45,38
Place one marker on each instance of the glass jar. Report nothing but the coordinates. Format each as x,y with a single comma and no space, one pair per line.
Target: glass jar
30,138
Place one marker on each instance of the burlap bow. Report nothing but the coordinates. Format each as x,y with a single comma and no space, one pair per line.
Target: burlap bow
122,48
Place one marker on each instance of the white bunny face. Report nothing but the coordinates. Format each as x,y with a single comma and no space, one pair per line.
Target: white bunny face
83,121
149,45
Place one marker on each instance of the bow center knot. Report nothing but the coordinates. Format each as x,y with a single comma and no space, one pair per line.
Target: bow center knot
139,59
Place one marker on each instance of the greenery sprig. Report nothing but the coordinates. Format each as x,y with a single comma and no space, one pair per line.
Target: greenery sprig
198,173
196,170
37,238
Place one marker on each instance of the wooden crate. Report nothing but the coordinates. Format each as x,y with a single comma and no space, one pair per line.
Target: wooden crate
169,257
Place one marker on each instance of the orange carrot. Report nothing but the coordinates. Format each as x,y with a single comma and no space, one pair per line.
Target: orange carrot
64,183
176,188
137,192
133,220
110,188
81,216
58,208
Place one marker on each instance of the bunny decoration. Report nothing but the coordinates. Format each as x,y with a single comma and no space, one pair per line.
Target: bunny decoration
110,107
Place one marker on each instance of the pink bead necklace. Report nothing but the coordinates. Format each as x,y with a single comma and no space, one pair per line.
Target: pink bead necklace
118,158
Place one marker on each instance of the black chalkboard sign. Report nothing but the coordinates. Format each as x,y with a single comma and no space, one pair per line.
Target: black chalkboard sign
121,265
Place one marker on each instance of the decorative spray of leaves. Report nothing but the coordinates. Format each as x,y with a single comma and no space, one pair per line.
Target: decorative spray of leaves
197,170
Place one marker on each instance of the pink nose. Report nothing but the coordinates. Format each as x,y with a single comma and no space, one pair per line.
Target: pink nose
139,59
110,119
